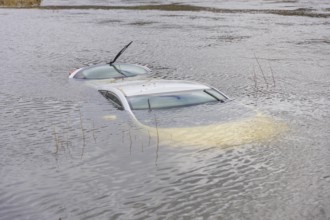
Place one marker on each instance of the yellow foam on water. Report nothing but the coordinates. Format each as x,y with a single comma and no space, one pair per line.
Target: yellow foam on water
245,131
109,117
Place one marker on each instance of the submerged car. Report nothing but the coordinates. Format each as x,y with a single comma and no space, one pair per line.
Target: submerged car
189,113
106,71
110,70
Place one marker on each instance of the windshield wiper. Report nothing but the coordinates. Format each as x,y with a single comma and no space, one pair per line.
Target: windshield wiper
119,71
111,63
120,53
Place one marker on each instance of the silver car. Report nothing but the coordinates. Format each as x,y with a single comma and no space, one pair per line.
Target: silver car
110,70
106,71
189,113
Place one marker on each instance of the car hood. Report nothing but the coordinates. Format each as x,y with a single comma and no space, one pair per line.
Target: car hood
213,128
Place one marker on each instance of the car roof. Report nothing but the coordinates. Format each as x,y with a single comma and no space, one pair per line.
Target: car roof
145,87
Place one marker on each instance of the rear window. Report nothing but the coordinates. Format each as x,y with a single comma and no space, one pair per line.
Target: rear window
173,100
108,72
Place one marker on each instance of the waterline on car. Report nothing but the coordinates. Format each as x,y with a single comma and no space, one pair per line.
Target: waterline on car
254,129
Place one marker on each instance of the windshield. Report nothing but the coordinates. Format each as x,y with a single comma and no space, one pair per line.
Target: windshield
177,99
107,71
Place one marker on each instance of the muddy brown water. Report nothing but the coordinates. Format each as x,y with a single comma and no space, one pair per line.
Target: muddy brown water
61,159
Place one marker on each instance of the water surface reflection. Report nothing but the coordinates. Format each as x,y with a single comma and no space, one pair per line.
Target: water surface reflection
100,169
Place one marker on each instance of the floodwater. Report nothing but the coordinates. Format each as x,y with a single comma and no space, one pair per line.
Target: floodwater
67,153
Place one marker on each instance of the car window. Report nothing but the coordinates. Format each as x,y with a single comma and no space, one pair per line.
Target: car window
113,98
171,100
107,71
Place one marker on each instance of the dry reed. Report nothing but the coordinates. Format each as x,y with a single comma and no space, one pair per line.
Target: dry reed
93,129
20,3
57,141
149,138
81,126
157,150
262,72
83,135
130,141
271,70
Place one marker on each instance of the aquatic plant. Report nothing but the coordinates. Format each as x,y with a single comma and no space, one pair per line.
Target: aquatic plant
20,3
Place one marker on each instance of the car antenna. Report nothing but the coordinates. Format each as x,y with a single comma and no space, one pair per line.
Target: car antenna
120,53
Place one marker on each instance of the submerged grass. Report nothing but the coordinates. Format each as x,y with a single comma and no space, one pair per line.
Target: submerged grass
20,3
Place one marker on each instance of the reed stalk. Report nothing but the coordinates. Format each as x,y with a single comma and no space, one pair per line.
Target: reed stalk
130,141
272,72
83,135
157,150
255,79
93,129
149,138
262,72
81,126
57,145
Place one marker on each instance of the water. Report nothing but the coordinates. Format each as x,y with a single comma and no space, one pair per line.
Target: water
60,158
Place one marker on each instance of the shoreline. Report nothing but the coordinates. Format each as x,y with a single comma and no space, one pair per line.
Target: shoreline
180,7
